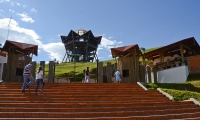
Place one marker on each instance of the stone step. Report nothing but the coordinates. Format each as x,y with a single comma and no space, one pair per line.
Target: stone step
64,98
166,113
99,109
91,101
91,104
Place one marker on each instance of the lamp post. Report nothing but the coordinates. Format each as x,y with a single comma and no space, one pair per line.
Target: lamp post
143,50
75,55
97,70
54,69
74,69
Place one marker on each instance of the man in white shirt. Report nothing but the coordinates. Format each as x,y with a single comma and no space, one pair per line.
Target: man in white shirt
117,76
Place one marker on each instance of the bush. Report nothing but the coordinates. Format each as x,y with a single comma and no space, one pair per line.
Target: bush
78,79
182,95
80,74
62,75
93,71
92,75
175,86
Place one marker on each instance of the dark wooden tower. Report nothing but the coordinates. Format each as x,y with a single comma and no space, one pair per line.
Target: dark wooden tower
80,46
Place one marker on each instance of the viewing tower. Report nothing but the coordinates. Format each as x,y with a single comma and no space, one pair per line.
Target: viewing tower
80,46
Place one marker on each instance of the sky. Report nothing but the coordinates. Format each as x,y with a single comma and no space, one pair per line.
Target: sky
148,23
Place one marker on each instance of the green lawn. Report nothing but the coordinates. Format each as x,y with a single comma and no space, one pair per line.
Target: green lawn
67,69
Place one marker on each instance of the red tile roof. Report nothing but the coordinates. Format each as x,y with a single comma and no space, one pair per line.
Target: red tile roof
124,50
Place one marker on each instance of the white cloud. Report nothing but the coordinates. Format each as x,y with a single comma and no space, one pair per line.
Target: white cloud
14,3
1,1
18,4
34,10
99,48
11,10
25,17
110,37
55,50
19,34
107,44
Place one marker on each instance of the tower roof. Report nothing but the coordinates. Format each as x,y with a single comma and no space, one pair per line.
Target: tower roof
81,31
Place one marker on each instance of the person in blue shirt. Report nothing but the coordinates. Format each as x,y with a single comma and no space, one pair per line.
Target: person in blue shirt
27,75
117,76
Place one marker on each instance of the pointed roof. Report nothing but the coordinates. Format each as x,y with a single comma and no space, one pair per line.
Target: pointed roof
72,34
22,47
124,50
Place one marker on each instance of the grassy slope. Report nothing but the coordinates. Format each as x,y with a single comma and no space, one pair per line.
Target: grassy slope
66,69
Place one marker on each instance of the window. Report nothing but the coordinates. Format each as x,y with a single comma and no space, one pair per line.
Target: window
125,73
19,71
81,39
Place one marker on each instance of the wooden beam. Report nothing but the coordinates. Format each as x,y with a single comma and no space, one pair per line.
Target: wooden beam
189,48
160,54
181,50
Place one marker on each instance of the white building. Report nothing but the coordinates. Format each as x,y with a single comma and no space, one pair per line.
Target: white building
3,59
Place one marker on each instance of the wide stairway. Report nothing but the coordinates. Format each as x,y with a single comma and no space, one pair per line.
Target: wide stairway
91,101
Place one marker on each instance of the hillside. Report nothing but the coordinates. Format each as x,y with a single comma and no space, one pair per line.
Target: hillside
66,69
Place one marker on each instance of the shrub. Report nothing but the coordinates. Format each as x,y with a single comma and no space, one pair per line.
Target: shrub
93,71
92,75
175,86
182,95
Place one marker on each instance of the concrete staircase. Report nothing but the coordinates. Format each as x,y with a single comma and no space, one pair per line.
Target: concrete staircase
91,101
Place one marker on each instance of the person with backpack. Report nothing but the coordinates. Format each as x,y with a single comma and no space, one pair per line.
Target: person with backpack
39,78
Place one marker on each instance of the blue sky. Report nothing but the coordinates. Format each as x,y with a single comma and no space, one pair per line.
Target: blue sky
148,23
